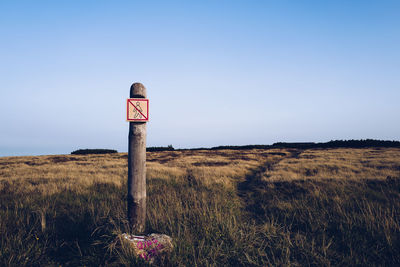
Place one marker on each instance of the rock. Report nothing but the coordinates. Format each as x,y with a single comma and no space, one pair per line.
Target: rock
152,248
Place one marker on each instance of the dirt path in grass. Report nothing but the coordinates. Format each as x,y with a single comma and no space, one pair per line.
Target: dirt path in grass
249,189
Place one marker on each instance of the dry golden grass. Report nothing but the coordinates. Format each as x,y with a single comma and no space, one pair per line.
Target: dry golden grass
53,174
344,164
226,207
225,167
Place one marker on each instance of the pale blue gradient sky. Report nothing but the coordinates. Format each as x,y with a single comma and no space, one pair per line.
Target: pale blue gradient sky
217,72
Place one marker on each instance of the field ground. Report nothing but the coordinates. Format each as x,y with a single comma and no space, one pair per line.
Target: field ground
264,207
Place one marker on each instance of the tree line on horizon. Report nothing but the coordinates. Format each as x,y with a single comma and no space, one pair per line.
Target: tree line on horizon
363,143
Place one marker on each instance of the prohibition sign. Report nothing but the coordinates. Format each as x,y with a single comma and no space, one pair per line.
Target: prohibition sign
137,110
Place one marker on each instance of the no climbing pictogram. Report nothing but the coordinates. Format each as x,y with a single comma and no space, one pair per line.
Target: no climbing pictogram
137,109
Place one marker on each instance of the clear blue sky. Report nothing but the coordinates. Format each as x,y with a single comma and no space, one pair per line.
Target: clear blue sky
217,72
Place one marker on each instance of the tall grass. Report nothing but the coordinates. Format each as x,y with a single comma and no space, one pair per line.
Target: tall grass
220,207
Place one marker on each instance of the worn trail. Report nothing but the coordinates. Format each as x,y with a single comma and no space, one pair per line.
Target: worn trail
254,184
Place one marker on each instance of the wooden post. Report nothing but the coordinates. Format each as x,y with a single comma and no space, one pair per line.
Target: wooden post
137,168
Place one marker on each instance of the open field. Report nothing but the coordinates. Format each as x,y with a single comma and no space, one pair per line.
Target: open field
255,207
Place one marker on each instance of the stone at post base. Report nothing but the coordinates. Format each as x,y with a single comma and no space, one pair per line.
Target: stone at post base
152,248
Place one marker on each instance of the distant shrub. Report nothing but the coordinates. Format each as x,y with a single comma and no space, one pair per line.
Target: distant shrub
93,151
160,148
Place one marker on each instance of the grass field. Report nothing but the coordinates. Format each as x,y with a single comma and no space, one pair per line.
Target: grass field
331,207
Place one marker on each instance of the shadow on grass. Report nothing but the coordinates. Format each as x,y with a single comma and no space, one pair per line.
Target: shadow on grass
67,228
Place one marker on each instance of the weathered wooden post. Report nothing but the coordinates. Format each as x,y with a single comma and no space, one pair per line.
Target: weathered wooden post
157,245
137,115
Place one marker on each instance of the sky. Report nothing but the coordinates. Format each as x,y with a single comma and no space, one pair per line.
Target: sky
216,72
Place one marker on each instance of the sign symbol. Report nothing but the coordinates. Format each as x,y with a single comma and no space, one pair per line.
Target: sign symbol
138,110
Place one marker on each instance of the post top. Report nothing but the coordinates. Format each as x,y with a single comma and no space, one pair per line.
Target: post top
138,91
